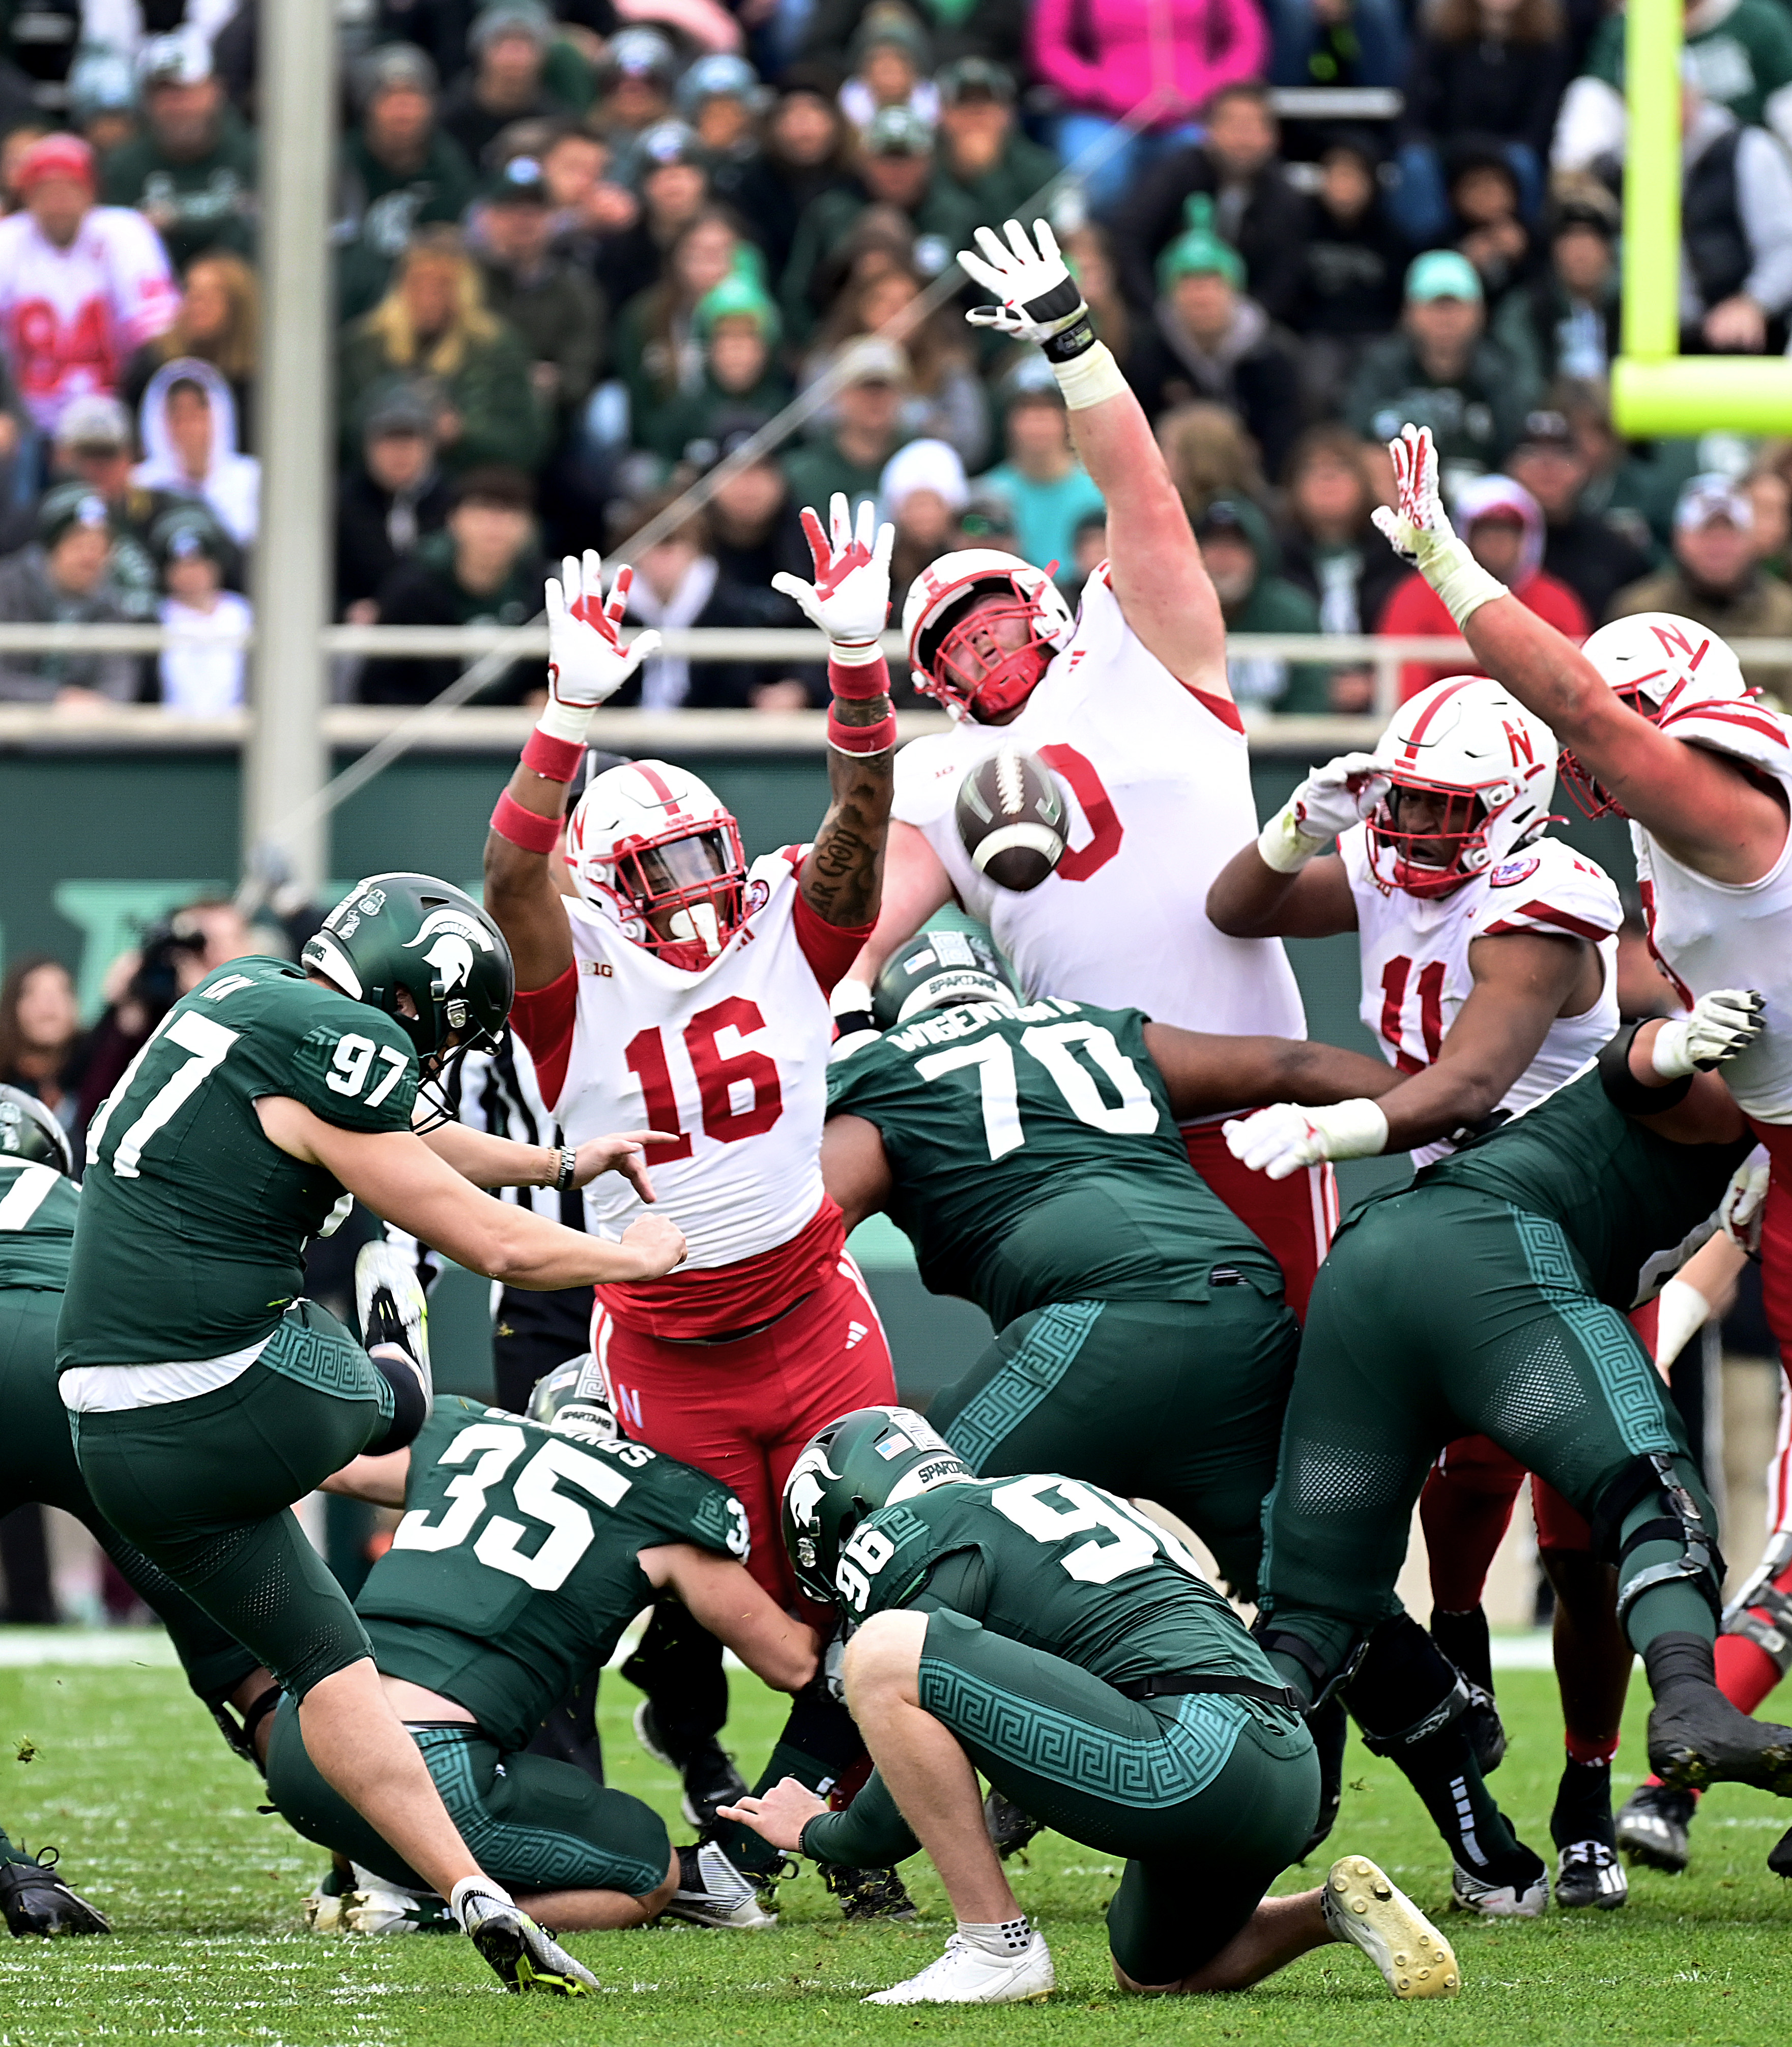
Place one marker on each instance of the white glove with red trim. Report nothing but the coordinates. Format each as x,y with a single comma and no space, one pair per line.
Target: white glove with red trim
1280,1139
1719,1025
1419,531
586,660
1329,801
849,598
1740,1211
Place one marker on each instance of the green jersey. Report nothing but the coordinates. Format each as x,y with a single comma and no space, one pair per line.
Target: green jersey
516,1568
37,1210
1632,1205
191,1239
1742,59
1036,1159
1058,1565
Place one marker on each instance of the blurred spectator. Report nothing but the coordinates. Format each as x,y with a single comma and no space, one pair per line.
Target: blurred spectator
897,170
434,322
1331,551
805,152
657,350
547,298
588,203
1590,555
981,147
889,58
388,500
1441,371
1487,211
82,287
1244,563
1634,487
1089,549
992,29
1337,42
187,425
15,145
1255,208
484,569
634,83
61,577
219,321
192,171
1209,455
1565,324
1104,61
922,492
679,585
508,46
1503,525
1352,260
103,98
752,524
400,172
198,678
946,399
1769,491
668,167
1716,577
864,431
1479,67
1735,234
1208,340
720,100
40,1032
736,328
1088,251
1050,491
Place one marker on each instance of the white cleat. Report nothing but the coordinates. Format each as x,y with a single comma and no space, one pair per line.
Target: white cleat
965,1975
376,1906
1469,1893
389,1302
712,1892
1369,1910
524,1957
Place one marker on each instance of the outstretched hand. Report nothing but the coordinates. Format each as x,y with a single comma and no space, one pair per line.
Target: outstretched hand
625,1153
849,598
1040,298
586,660
1419,523
780,1815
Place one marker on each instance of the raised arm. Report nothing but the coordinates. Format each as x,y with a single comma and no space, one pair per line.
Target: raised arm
915,885
1276,887
1154,563
720,1595
855,1170
1205,1072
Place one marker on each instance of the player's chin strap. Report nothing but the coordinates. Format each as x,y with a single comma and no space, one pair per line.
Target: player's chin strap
1700,1563
241,1734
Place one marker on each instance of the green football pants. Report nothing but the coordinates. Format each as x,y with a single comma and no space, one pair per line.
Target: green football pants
1443,1313
37,1463
533,1824
1178,1402
204,1487
1207,1797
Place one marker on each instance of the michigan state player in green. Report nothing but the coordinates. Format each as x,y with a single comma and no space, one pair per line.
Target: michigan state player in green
207,1395
1031,1155
527,1546
1039,1630
1489,1297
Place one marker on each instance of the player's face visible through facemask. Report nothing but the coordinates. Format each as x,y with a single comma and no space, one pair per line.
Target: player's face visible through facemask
1432,826
993,649
687,871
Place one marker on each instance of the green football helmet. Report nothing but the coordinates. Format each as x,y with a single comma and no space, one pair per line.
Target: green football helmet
574,1400
939,970
412,932
864,1461
28,1131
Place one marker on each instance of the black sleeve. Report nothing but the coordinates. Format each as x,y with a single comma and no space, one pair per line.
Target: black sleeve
1424,92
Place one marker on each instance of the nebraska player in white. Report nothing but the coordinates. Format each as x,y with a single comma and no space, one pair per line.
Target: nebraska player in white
82,287
1657,724
694,987
1129,703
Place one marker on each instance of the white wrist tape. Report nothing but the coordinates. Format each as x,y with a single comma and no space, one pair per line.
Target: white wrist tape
1459,579
564,721
1283,846
1683,1311
1353,1129
1086,380
854,653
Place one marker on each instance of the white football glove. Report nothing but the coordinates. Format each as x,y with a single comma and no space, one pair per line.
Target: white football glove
1280,1139
1740,1211
849,598
1040,297
587,663
1419,531
1329,801
1719,1025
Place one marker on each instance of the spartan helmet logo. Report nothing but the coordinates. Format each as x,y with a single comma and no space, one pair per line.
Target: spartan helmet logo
455,935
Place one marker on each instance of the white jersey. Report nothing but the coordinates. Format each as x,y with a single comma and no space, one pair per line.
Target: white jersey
1156,778
1416,957
72,318
1722,934
734,1060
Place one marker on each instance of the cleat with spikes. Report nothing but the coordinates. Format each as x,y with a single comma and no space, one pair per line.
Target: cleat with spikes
389,1299
524,1957
36,1900
1523,1895
712,1892
1654,1827
1009,1827
1367,1909
868,1893
708,1775
1589,1873
1699,1738
376,1906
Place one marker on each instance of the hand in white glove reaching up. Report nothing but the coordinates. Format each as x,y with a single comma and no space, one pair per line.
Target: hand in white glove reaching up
1419,531
1330,800
849,598
1280,1139
1040,297
587,663
1719,1025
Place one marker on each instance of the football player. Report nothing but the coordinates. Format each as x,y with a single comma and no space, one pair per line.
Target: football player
1128,702
1657,725
1489,1297
1039,1630
528,1544
1488,957
206,1395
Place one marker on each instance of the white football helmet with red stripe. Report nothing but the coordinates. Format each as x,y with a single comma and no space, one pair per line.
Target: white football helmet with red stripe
969,670
1466,740
651,845
1681,677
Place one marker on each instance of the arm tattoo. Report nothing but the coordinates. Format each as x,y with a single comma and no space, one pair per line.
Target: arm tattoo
843,877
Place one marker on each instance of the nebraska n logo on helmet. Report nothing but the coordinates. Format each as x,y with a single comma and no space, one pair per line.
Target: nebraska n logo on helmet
982,627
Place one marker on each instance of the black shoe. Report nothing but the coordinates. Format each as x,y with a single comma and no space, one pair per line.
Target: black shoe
1010,1828
1779,1860
868,1893
1652,1827
1589,1873
708,1773
1696,1738
36,1900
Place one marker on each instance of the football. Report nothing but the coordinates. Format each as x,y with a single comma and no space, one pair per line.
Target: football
1010,818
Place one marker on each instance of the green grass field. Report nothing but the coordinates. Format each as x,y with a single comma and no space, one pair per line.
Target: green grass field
158,1826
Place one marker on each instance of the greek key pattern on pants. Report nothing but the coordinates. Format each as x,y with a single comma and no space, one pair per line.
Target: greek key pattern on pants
326,1361
1047,1352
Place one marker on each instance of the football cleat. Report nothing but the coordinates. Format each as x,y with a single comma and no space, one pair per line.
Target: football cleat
324,1908
524,1955
1697,1738
389,1301
1654,1827
868,1893
1589,1873
376,1906
1779,1855
708,1775
1521,1896
967,1974
36,1900
1370,1910
1010,1828
712,1892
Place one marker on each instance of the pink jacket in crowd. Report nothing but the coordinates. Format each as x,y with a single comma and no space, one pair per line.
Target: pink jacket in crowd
1104,56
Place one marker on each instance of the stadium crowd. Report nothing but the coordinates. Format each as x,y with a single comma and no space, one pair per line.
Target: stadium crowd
584,254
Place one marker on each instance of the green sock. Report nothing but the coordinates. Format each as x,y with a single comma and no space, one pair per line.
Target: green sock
1677,1607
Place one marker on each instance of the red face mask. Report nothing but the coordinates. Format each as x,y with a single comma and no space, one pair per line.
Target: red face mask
695,883
985,685
1434,861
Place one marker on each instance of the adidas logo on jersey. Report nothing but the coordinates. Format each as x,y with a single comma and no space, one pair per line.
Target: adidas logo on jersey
855,1331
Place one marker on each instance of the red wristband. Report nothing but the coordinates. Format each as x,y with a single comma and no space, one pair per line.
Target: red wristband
846,738
858,683
555,760
533,833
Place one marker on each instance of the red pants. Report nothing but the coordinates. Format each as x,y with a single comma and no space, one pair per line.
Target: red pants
743,1411
1294,1218
1465,1506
